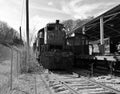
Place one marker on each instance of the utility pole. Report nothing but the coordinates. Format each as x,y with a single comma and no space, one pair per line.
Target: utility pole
27,32
27,21
20,33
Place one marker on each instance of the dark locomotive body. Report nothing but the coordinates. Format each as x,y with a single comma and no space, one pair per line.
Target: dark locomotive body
51,42
79,45
57,51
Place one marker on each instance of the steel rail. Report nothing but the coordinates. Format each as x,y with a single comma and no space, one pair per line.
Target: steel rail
104,86
101,85
47,86
64,84
87,79
71,89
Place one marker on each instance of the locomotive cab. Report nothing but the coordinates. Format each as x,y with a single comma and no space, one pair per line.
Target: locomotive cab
55,35
79,44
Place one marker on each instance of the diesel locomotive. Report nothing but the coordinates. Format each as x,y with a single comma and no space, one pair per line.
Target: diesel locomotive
51,42
55,50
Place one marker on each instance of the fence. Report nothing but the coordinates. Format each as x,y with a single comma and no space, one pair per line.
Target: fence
11,67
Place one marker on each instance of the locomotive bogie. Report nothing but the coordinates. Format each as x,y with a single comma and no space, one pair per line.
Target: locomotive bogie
57,60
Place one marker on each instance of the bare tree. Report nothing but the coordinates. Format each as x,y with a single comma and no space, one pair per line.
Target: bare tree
70,24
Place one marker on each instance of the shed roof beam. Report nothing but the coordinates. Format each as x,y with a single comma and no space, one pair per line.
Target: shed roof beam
111,14
112,29
93,25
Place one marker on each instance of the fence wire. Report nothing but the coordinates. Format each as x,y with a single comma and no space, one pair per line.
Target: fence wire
12,66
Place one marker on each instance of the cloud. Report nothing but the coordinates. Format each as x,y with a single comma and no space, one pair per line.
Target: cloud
10,13
50,12
73,3
36,23
77,11
80,9
50,9
50,3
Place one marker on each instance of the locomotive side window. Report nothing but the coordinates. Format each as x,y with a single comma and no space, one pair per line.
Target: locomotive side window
41,35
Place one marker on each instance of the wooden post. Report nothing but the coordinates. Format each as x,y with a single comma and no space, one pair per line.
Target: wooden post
35,85
92,71
111,68
83,40
20,33
11,69
17,64
20,62
83,30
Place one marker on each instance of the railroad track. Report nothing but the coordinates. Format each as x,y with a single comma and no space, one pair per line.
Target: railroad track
73,84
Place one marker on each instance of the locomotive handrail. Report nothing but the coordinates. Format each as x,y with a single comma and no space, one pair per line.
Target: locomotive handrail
109,58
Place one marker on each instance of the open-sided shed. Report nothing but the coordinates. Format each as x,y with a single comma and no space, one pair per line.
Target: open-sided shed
104,26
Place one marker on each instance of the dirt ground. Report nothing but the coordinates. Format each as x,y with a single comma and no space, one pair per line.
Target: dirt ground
29,84
5,67
4,74
22,83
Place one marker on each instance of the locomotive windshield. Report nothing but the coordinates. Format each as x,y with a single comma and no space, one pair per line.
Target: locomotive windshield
51,28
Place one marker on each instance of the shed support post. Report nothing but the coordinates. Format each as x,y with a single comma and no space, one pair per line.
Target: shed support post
83,40
83,30
101,35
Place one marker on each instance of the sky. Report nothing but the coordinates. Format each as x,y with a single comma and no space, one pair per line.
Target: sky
44,11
